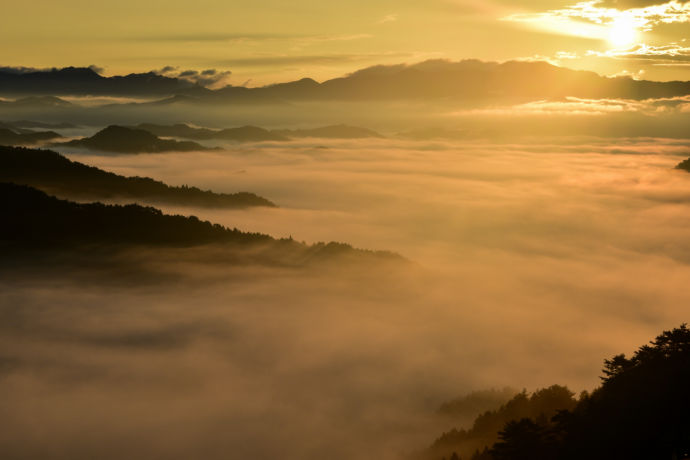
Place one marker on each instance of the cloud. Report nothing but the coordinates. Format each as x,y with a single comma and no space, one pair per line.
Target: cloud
626,73
590,19
388,18
665,54
630,4
273,60
259,37
527,252
99,70
210,78
660,116
570,107
557,59
215,37
333,38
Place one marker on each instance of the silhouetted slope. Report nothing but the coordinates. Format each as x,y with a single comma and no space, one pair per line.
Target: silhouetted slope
34,221
542,404
640,412
129,140
10,137
53,173
86,81
31,216
477,402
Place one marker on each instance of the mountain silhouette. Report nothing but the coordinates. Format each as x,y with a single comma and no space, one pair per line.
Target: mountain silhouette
241,134
86,81
475,80
53,173
11,137
32,216
253,133
248,134
639,412
467,80
131,140
35,221
484,432
37,102
178,130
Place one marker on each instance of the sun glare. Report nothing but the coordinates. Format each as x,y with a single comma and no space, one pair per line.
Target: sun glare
622,32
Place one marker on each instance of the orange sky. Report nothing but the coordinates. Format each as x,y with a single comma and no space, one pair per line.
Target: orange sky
272,40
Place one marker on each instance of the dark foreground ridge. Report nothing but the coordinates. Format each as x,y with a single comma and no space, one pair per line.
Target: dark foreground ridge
131,140
640,412
34,220
53,173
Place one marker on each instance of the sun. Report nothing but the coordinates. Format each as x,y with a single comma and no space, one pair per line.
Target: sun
623,31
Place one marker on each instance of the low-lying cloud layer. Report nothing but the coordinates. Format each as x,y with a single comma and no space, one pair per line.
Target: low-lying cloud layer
534,262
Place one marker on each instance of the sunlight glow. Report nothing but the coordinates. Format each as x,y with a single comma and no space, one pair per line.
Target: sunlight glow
623,31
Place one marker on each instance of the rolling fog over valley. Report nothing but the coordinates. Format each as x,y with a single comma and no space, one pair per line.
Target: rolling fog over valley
369,230
522,254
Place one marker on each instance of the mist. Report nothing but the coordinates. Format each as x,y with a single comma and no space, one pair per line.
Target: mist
529,264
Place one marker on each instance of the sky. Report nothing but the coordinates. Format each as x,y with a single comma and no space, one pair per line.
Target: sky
265,41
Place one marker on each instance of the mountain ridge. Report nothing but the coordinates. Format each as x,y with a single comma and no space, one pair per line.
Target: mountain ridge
35,220
51,172
466,79
121,139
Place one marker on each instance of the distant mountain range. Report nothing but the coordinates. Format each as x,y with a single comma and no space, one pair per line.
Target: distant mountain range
131,140
254,134
468,80
28,124
10,137
241,134
53,173
36,102
144,137
86,81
